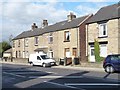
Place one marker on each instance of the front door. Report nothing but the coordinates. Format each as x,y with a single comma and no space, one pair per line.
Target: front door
92,56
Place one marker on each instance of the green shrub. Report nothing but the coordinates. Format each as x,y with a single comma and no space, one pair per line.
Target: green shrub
98,58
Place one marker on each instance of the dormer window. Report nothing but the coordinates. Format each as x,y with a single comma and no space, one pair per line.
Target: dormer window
102,30
67,36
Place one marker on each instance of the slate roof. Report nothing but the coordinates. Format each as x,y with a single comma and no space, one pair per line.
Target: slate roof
52,28
106,13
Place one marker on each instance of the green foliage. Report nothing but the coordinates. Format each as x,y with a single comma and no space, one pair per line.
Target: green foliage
1,50
98,58
3,47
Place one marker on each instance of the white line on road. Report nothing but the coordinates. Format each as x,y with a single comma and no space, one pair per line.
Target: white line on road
43,77
62,85
51,72
91,84
14,74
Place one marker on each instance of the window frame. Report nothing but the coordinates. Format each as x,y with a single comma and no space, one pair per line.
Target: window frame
19,43
36,40
102,30
66,50
50,38
65,36
74,52
26,42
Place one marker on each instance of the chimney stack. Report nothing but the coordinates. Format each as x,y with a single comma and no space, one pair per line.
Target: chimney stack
34,26
45,23
71,17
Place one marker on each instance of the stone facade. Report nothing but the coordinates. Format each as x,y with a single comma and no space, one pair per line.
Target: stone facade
57,46
112,39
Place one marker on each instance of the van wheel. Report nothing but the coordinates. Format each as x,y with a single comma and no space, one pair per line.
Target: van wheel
32,64
109,69
44,65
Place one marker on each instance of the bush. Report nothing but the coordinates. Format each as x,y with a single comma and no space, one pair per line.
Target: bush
98,58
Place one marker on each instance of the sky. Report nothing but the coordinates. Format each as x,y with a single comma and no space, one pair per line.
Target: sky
17,16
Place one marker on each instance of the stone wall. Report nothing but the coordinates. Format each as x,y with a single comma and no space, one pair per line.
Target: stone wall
112,38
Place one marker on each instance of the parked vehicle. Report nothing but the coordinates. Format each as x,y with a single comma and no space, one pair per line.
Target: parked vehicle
41,59
112,63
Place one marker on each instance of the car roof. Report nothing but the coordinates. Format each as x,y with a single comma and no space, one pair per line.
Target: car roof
114,55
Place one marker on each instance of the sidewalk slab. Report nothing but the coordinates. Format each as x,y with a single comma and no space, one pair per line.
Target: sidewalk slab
81,68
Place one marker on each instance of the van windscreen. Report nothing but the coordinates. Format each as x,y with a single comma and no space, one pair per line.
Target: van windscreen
44,57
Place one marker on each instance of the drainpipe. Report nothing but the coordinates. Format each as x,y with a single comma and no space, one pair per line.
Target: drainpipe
87,40
77,43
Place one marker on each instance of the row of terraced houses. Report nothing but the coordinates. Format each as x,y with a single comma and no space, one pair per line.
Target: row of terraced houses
73,37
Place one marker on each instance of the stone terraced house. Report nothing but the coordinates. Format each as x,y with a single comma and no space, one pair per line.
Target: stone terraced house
73,37
62,39
104,26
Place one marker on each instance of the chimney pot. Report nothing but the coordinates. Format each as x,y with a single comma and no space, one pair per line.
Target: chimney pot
34,26
45,23
71,16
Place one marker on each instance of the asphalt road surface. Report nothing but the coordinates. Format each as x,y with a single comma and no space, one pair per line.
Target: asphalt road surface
36,77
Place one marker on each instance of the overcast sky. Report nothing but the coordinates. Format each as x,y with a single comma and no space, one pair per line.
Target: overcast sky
18,15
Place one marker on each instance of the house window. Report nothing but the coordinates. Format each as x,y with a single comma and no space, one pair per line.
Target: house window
19,54
18,43
26,42
27,54
36,41
92,52
102,30
16,54
67,52
74,52
50,39
103,50
67,36
13,44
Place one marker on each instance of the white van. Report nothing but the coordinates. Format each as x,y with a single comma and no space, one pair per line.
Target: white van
41,59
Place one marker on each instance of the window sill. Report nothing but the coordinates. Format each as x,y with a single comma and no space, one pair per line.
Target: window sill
102,36
67,41
50,43
36,44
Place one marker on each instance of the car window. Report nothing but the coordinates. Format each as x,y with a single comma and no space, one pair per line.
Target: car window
116,57
38,58
44,57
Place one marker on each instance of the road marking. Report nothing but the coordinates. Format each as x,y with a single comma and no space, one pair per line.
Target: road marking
63,85
14,74
51,72
91,84
53,77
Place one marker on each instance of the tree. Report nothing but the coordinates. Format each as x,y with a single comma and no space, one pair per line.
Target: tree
97,51
3,47
98,58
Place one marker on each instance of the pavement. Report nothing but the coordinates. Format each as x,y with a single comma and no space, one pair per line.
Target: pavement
74,67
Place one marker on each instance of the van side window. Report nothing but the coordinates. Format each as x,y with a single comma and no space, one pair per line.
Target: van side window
38,58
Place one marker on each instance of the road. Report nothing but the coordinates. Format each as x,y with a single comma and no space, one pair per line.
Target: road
25,76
